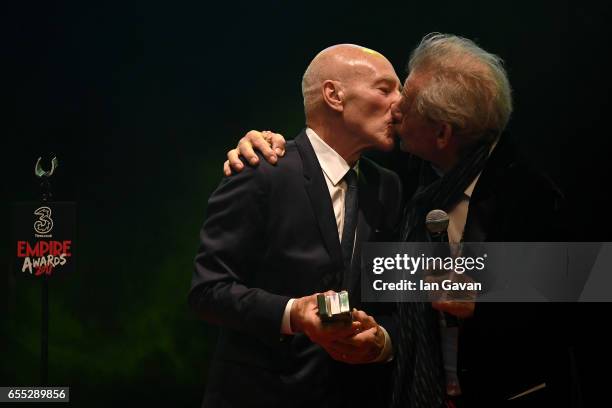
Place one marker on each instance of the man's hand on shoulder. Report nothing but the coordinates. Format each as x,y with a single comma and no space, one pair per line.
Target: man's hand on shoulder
270,144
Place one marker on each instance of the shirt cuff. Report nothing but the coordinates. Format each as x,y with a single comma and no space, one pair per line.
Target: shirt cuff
286,322
386,353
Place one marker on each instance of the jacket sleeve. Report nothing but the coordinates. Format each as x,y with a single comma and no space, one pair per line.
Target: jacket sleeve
229,257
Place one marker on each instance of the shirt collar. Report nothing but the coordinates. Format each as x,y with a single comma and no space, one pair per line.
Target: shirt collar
470,189
332,164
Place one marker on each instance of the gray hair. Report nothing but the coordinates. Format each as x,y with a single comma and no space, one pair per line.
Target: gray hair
466,86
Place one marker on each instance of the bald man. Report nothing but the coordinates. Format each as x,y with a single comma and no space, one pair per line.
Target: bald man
277,235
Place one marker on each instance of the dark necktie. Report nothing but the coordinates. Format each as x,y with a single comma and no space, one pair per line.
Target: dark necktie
350,217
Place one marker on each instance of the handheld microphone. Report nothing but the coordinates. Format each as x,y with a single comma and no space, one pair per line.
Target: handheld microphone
436,223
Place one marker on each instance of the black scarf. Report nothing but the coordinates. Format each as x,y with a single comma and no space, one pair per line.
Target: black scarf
442,193
419,380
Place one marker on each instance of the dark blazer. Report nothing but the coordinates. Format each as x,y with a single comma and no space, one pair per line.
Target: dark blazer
271,235
507,348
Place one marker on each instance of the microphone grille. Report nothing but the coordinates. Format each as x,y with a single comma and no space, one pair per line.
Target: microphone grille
436,221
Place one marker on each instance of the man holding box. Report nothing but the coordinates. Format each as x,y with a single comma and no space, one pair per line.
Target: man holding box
276,236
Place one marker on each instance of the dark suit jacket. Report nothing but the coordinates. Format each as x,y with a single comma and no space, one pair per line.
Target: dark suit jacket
506,348
271,235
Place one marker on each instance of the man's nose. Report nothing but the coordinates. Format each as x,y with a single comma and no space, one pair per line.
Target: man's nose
397,95
395,112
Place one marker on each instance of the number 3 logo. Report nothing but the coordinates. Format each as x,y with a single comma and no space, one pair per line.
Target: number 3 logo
44,223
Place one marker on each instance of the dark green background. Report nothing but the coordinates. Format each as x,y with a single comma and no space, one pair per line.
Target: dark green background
141,100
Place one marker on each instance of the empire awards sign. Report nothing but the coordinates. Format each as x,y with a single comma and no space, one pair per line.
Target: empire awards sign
44,238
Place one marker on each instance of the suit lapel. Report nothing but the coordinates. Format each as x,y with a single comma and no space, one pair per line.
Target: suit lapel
321,203
480,218
485,200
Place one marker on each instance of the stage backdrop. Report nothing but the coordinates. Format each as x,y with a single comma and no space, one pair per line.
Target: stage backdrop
141,100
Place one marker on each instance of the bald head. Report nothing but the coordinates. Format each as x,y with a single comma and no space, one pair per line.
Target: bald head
345,63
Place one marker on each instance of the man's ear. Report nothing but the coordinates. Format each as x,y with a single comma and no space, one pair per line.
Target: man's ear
444,135
333,95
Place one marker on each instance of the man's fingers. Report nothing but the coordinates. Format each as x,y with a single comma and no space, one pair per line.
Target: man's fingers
352,351
347,353
226,169
325,333
359,340
262,143
366,320
245,149
278,143
361,315
234,161
341,330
